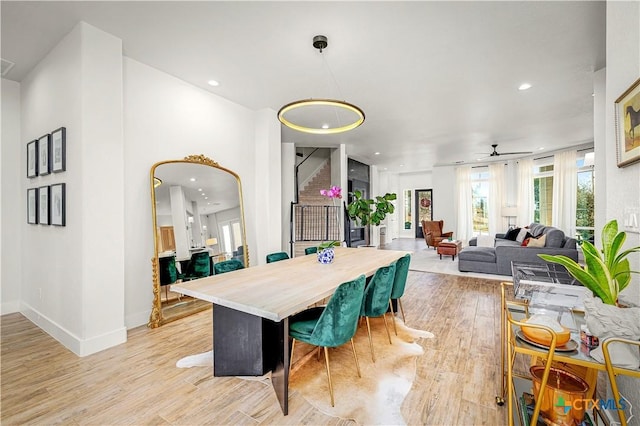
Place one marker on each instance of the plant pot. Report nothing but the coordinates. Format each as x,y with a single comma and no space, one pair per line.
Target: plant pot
326,256
559,394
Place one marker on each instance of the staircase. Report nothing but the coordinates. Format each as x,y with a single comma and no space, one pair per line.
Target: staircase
310,196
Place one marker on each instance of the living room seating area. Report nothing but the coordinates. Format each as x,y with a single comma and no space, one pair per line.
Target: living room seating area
494,255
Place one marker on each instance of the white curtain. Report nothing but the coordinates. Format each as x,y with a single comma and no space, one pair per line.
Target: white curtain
565,188
526,202
465,218
497,223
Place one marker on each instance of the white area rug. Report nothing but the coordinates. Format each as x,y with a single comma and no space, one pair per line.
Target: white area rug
199,360
427,260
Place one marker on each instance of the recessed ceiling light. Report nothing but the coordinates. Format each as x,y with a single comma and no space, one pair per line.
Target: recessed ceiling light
200,189
206,198
376,153
524,86
213,83
401,165
541,148
325,126
192,179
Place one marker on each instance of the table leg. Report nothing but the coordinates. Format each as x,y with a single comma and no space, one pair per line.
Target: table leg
249,345
280,374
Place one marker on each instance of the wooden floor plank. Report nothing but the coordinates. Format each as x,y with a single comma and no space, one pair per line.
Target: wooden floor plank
138,383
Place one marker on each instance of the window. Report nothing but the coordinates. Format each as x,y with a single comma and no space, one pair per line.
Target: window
543,194
479,201
407,209
585,203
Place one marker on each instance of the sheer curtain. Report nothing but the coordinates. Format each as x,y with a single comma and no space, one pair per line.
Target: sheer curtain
526,201
565,188
497,222
465,219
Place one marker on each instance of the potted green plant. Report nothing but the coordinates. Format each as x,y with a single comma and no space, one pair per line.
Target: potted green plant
366,211
607,271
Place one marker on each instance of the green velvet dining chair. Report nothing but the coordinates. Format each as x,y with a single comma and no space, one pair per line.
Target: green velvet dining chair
311,250
376,299
275,257
168,273
199,266
331,326
399,283
227,266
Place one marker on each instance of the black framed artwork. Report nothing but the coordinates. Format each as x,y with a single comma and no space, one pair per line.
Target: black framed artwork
58,150
43,205
32,205
44,155
58,204
32,159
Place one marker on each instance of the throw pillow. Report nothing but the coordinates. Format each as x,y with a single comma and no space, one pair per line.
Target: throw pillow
537,242
525,242
512,234
486,241
522,235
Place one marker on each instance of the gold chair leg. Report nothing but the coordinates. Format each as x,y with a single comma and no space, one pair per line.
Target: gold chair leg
393,317
326,358
373,357
402,310
384,317
355,356
293,345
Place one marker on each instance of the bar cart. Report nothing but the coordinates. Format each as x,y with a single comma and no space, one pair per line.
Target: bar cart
574,358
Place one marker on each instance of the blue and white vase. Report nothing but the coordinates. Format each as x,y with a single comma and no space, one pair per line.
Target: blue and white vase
326,255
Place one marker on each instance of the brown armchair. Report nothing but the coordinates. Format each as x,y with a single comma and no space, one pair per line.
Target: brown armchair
432,230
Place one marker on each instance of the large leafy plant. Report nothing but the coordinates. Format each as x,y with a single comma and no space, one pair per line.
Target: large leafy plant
606,272
368,211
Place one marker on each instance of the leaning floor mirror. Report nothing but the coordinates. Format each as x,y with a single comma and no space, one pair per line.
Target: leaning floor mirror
198,221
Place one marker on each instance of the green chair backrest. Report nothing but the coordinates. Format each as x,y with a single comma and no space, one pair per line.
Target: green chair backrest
227,266
311,250
199,266
275,257
378,292
168,271
400,280
339,319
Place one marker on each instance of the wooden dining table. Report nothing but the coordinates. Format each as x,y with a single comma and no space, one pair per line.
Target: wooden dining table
252,307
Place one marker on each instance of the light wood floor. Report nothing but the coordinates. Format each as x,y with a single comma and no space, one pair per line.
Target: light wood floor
138,383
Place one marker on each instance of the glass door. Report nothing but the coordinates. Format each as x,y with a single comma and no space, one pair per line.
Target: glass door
424,209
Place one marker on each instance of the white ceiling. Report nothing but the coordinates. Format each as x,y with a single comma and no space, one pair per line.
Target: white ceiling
438,81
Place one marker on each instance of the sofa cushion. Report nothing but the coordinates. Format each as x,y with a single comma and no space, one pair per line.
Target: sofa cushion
478,254
512,234
537,242
522,235
555,237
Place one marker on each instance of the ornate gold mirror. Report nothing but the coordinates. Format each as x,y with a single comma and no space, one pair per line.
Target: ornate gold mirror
198,220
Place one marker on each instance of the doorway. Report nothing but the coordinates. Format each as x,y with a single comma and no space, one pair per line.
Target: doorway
424,208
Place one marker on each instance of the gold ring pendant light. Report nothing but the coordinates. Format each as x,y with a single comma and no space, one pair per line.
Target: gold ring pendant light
320,42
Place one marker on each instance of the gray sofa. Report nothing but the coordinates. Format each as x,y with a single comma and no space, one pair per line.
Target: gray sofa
497,259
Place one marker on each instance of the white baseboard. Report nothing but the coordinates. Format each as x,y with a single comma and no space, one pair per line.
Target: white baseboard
80,347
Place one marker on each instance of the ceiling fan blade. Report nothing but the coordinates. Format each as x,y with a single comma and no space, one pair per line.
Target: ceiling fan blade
516,153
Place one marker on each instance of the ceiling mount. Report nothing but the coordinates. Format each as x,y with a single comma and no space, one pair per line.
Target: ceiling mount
321,116
320,42
495,152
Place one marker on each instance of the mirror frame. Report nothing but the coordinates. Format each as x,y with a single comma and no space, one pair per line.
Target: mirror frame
156,319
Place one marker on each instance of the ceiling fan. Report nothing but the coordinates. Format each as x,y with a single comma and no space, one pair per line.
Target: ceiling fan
495,152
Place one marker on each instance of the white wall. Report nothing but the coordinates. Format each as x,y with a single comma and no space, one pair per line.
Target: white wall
166,118
412,181
72,277
12,196
622,184
623,69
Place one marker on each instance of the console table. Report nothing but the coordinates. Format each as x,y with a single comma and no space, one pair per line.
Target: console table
252,307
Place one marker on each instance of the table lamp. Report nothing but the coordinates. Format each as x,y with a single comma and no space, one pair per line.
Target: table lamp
509,212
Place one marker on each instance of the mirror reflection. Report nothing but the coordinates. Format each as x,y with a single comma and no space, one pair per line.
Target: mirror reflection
199,222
